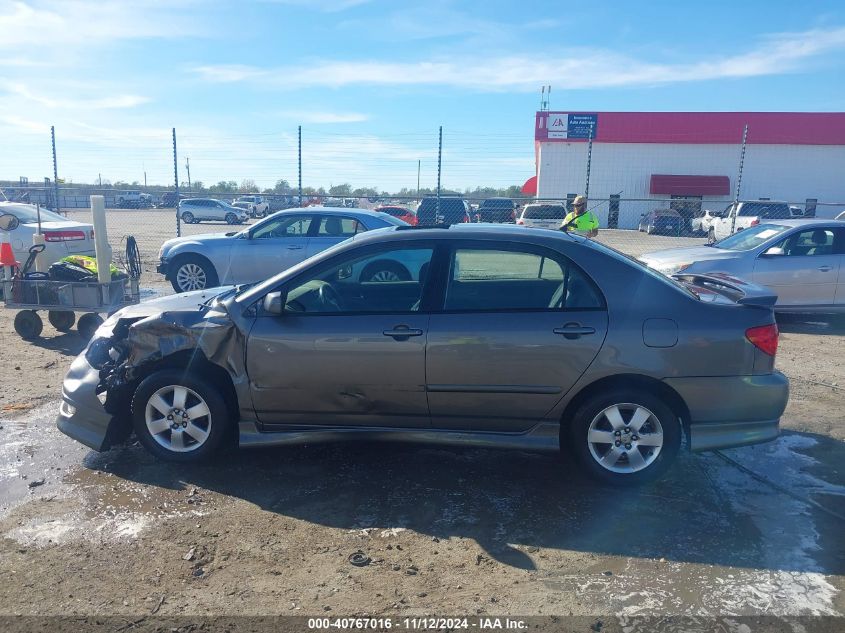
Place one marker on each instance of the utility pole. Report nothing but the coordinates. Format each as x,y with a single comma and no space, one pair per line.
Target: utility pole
176,183
439,156
739,178
589,160
100,178
419,162
188,168
55,168
299,162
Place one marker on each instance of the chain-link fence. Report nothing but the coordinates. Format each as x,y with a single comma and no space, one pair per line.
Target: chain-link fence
641,196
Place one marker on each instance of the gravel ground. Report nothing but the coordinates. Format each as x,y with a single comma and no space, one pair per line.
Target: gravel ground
446,531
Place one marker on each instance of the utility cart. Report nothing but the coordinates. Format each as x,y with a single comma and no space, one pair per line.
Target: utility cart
63,299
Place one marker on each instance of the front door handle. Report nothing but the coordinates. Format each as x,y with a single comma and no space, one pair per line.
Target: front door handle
293,247
403,332
574,330
825,269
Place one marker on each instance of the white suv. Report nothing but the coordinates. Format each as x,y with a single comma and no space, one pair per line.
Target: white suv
194,210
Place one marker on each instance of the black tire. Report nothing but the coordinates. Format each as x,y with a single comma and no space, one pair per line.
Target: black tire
385,270
61,320
575,436
188,217
216,424
711,236
188,266
88,324
231,218
28,324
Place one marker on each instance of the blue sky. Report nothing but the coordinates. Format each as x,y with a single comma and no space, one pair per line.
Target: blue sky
370,81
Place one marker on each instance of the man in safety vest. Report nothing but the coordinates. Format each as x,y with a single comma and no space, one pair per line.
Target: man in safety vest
579,219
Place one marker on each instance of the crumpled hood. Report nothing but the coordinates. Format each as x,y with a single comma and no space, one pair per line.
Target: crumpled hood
170,303
687,254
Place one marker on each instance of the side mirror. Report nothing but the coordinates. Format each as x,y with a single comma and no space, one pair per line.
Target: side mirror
274,303
9,222
774,251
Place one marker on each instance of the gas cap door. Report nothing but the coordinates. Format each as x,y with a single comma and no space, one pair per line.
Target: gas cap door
660,333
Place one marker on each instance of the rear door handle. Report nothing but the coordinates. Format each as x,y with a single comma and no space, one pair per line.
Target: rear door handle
574,330
403,332
825,269
293,247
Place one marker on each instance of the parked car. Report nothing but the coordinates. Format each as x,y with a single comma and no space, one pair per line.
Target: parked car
62,237
700,223
267,247
168,199
542,215
350,203
802,261
507,337
662,222
195,210
496,210
256,206
403,213
738,216
841,216
333,202
453,210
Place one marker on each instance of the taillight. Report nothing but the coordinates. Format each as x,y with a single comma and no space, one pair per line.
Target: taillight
413,221
764,338
755,222
520,221
64,236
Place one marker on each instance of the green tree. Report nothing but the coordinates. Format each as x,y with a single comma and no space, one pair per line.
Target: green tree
343,191
247,186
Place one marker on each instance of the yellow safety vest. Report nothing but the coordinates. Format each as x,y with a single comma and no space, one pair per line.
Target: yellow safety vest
584,222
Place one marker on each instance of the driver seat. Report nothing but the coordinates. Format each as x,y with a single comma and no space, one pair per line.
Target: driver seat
333,226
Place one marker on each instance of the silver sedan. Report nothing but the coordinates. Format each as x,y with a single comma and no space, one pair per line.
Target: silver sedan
802,261
268,247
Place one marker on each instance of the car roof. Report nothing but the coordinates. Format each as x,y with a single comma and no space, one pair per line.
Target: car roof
806,222
476,230
330,211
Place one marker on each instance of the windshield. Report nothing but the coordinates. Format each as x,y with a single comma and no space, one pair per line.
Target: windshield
544,212
27,213
774,211
751,238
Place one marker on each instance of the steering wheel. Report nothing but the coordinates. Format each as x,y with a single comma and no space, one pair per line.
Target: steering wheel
329,297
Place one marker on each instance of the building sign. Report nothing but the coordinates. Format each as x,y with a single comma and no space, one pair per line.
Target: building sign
571,126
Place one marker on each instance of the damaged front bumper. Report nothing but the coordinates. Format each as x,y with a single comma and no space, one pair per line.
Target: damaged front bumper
82,415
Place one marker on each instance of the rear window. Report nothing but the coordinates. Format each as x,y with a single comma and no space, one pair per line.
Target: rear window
452,211
497,204
544,212
769,211
27,214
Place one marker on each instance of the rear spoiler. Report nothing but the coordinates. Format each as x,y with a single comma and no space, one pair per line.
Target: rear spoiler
741,291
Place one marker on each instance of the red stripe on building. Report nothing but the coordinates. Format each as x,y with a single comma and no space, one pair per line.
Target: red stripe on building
681,185
782,128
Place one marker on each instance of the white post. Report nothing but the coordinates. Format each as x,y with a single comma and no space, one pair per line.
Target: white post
101,239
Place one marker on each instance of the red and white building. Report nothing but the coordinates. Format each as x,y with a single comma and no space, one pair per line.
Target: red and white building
647,160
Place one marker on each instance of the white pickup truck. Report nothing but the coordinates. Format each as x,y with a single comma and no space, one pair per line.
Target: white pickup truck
256,206
742,215
133,200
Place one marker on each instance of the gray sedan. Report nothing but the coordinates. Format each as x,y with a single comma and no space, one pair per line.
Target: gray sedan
802,261
276,243
504,336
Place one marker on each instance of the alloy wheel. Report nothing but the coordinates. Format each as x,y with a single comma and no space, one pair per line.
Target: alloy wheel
178,418
191,277
385,275
625,438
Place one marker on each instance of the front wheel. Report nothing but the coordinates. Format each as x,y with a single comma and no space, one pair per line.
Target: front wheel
193,273
624,437
179,417
188,217
231,218
385,271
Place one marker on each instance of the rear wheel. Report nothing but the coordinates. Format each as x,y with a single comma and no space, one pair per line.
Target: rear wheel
61,320
178,416
88,324
624,437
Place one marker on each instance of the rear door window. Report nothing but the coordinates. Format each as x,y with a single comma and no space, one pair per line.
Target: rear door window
338,226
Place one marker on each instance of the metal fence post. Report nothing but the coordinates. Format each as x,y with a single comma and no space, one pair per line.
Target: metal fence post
439,157
589,160
739,177
299,161
55,168
176,182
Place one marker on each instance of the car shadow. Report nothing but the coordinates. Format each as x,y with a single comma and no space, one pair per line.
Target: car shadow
67,344
811,324
512,503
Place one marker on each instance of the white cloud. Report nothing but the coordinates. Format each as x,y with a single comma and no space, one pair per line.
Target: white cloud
66,103
313,116
578,69
326,6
